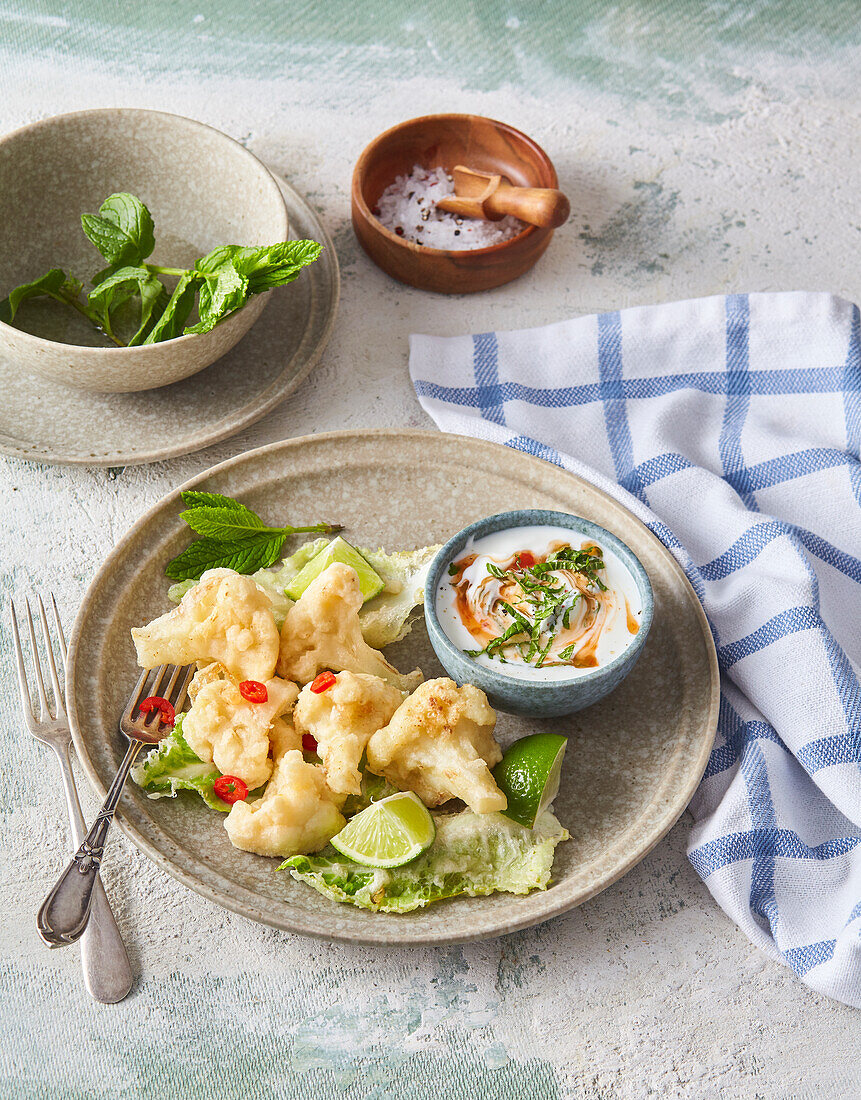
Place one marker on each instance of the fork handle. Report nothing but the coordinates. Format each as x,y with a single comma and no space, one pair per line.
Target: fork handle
65,912
107,971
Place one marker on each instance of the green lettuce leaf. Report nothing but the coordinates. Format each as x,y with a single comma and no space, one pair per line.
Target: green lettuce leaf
173,766
374,787
473,854
385,619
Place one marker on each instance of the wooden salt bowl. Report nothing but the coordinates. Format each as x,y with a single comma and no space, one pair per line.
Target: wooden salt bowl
445,141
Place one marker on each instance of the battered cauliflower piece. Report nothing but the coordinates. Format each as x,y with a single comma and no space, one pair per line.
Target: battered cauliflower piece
225,728
341,719
296,815
440,744
283,737
226,617
322,631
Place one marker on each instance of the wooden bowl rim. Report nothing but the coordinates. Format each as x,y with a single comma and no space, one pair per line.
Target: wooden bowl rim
425,250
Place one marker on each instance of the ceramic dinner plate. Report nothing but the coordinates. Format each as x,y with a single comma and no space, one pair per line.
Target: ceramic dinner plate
633,760
53,423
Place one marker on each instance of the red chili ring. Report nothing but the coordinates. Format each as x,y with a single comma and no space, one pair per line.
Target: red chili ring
309,743
253,691
155,702
230,789
323,682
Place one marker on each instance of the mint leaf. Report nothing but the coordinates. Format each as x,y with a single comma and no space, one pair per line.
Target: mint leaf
50,283
171,322
218,256
265,266
245,555
223,291
278,264
120,285
115,285
116,246
129,215
154,301
194,498
224,523
233,537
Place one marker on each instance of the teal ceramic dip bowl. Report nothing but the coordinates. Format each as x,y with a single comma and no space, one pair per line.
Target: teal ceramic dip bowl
515,695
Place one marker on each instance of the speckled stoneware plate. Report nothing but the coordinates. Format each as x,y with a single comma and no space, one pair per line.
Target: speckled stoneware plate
634,759
49,422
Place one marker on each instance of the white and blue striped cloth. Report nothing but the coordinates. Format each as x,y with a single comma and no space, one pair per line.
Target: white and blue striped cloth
731,426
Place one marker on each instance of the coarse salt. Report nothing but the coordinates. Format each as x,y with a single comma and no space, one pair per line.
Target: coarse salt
408,207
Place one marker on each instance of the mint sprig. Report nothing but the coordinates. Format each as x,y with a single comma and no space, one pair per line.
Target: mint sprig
232,537
219,283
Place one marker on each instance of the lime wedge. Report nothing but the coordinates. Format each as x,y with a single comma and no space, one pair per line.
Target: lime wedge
389,833
370,582
528,775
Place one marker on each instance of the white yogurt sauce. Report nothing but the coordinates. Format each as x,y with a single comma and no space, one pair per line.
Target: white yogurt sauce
601,624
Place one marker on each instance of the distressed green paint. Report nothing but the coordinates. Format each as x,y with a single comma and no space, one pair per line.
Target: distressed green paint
261,1042
666,49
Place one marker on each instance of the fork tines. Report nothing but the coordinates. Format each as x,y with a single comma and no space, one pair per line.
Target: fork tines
175,692
45,712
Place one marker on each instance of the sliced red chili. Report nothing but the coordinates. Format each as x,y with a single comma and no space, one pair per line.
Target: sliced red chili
323,682
230,789
309,743
155,702
253,691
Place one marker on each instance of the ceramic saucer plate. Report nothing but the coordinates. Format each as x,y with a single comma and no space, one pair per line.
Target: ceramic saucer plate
52,423
634,760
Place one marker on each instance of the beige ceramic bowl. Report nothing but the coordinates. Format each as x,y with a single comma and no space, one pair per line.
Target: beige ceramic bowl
202,188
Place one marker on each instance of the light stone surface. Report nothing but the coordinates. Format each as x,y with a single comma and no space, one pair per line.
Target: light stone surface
705,148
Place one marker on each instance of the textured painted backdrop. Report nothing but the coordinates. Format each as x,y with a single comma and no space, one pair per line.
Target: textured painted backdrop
706,147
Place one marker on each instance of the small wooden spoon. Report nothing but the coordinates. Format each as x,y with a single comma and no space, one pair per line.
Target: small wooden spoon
482,195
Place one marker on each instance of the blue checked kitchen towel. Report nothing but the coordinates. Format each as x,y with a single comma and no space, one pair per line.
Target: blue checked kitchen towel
731,426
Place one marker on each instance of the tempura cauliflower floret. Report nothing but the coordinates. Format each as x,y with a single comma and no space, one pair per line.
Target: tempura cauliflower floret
341,719
440,744
226,617
322,631
283,737
296,815
225,728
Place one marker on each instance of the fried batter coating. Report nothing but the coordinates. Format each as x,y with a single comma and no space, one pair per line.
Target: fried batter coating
322,631
342,719
296,815
225,728
440,744
226,617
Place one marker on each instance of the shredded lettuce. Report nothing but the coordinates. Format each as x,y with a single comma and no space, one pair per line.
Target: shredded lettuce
173,766
473,854
385,619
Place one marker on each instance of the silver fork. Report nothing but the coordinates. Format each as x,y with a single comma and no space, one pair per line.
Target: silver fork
65,912
107,971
